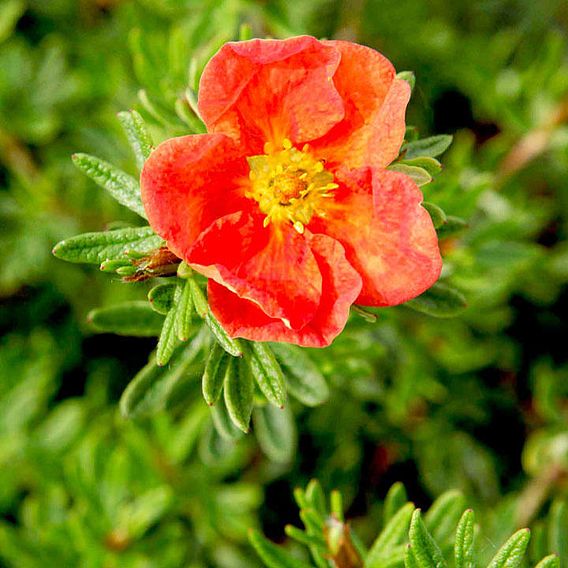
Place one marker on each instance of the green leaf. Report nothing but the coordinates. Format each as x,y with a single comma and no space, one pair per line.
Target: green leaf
436,213
267,372
430,147
393,534
452,226
419,175
394,559
367,315
245,32
114,265
511,554
126,270
440,301
184,312
161,297
121,186
336,504
223,422
407,76
137,517
444,514
96,248
130,318
168,339
431,165
274,556
10,13
463,547
396,499
199,300
316,497
558,530
238,391
275,431
304,538
410,560
214,374
425,549
231,346
304,379
150,389
550,561
312,520
138,135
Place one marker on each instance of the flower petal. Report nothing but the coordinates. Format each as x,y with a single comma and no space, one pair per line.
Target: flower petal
373,128
189,182
261,91
340,286
388,237
273,266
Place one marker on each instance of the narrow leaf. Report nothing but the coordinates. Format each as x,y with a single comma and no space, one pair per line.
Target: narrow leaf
276,432
138,135
316,497
436,213
393,534
223,422
95,248
150,389
130,318
419,175
213,449
425,549
452,226
231,346
396,498
267,372
395,558
161,297
199,300
114,265
238,391
367,315
444,514
410,560
10,13
121,186
136,517
550,561
168,340
407,76
214,374
312,520
432,147
336,504
558,530
303,378
440,301
304,538
274,556
431,165
463,547
510,555
184,312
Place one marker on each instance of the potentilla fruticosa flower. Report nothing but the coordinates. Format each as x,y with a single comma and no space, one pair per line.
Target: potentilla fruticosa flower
286,205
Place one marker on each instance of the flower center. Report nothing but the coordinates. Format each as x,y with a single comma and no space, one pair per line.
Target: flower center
288,184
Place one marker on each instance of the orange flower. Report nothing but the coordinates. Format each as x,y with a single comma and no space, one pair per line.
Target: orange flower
286,205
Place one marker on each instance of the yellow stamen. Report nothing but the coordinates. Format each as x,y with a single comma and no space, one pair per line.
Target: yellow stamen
288,183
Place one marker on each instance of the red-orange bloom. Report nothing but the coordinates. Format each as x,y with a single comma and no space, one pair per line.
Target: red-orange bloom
286,205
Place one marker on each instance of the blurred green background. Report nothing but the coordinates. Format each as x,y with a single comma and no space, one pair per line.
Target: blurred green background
478,403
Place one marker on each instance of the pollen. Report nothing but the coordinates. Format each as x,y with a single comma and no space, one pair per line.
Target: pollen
289,184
